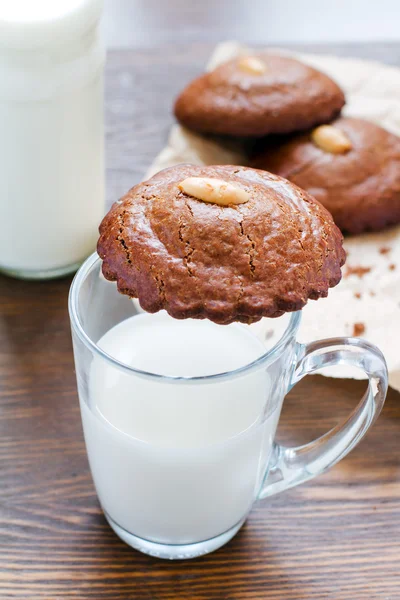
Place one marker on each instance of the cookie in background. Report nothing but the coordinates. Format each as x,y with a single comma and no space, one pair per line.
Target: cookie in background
259,95
351,166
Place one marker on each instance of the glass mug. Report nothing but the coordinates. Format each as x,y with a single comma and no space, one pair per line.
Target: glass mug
177,461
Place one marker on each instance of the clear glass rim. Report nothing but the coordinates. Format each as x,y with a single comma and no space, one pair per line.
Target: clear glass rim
78,329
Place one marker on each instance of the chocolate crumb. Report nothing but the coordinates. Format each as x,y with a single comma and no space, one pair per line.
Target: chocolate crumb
384,250
358,329
392,267
358,271
357,295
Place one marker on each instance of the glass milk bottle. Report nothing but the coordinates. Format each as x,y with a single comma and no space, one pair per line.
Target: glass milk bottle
51,143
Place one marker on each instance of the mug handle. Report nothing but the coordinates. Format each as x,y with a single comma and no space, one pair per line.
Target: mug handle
290,466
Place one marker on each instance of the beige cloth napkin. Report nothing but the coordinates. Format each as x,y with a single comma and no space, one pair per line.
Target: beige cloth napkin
369,293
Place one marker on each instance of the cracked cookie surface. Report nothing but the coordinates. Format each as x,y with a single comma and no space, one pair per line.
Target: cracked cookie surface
287,96
225,263
360,187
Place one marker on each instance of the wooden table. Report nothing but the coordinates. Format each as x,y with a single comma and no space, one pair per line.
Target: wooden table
337,537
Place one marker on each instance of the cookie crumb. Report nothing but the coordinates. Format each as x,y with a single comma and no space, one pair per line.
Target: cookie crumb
384,250
358,271
358,329
357,295
372,294
392,267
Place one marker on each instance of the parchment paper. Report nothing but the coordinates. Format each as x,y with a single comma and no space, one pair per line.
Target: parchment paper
369,293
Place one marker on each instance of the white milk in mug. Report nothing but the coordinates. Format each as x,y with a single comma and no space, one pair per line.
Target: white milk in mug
176,463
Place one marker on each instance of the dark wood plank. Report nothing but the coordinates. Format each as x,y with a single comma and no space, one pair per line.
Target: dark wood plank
336,537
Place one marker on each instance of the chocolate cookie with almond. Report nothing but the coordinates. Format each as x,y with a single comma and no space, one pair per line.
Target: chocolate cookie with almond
258,95
351,166
225,243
